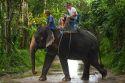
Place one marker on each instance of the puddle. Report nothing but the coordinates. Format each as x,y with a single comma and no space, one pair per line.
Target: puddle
73,67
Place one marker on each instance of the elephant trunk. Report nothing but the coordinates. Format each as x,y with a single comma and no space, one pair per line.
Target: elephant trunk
32,53
33,62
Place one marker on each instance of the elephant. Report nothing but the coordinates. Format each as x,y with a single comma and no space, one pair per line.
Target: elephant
81,45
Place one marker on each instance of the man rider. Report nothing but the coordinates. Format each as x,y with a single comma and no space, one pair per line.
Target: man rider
71,17
50,21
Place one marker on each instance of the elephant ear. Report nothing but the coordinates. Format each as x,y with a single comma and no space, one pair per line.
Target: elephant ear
50,38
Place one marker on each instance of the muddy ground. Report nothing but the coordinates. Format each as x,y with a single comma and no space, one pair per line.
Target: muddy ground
55,75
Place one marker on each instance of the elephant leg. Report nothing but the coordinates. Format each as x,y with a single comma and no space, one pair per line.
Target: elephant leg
85,75
65,68
96,64
47,63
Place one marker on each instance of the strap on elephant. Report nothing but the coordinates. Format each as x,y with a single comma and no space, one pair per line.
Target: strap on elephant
60,41
70,37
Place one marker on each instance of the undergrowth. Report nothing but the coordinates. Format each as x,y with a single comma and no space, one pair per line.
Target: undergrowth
19,61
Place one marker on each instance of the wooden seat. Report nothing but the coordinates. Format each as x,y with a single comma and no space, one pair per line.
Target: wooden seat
70,31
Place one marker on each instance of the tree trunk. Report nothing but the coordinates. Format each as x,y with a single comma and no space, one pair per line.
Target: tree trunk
1,28
9,17
24,32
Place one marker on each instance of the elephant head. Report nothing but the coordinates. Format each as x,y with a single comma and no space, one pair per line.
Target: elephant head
44,39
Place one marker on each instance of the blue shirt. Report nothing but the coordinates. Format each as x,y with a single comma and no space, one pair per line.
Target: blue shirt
50,21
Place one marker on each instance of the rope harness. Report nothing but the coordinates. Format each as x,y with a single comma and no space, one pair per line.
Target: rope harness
70,37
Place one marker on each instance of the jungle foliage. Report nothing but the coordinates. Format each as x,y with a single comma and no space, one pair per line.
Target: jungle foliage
105,18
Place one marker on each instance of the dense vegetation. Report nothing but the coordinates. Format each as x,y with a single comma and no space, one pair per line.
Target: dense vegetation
18,22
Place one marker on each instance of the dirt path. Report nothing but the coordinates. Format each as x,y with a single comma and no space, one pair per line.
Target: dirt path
55,75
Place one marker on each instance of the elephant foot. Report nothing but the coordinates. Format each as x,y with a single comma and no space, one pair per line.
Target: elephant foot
66,79
85,77
42,78
104,74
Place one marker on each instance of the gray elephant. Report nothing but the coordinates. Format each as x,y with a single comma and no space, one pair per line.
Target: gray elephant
82,45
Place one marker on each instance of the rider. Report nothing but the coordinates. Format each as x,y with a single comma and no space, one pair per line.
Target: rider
50,21
71,17
61,21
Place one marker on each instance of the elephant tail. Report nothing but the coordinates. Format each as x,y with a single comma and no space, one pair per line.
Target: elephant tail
100,60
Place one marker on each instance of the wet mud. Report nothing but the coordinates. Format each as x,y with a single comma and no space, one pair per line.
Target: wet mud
55,75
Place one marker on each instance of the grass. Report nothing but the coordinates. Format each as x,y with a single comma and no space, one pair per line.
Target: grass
19,61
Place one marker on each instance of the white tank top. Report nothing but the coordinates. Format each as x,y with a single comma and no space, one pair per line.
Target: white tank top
71,11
